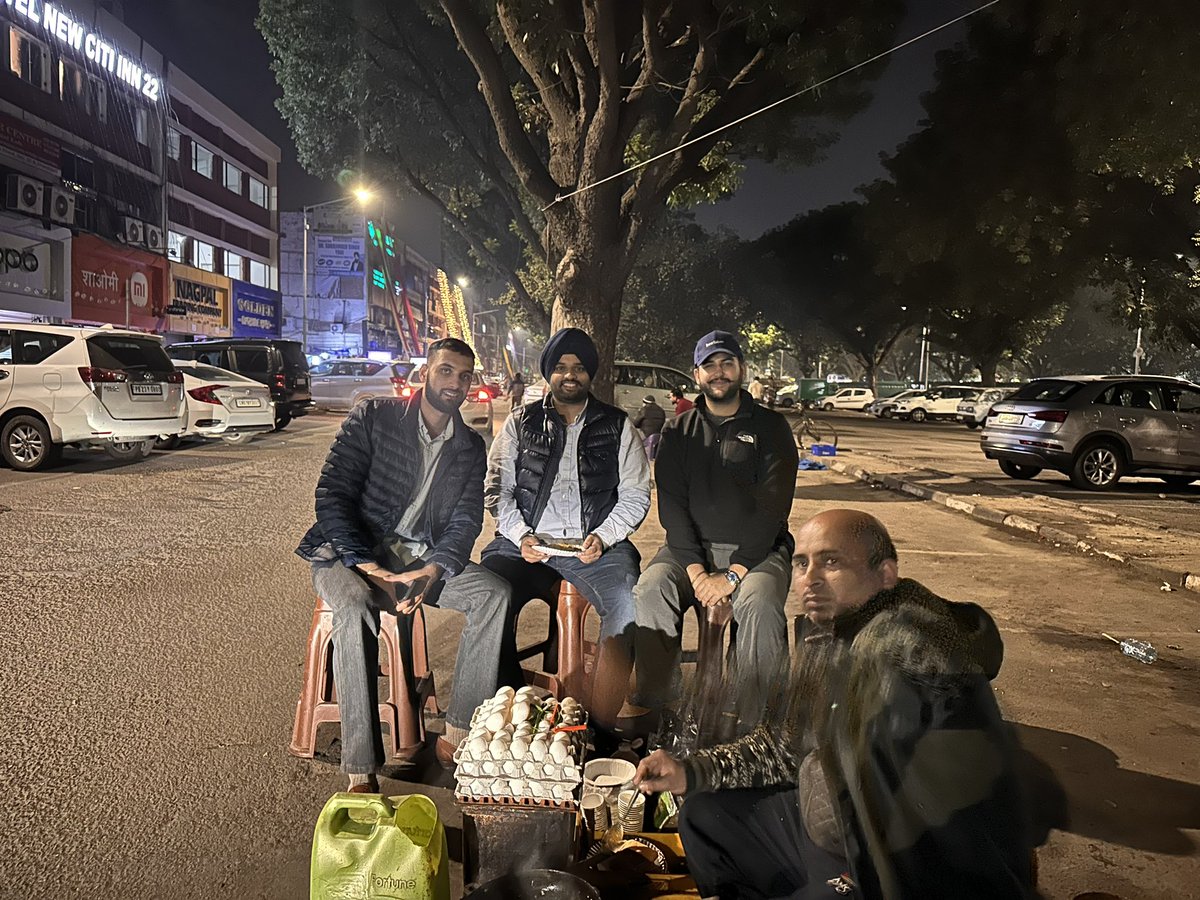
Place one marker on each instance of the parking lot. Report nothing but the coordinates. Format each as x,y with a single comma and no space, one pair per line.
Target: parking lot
155,637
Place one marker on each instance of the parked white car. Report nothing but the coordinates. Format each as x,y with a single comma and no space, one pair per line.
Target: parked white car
885,407
92,387
222,404
974,412
940,402
637,380
849,398
343,383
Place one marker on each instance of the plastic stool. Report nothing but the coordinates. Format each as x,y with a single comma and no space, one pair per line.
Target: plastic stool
574,656
411,688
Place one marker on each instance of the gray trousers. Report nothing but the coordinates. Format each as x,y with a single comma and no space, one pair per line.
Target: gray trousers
664,593
483,597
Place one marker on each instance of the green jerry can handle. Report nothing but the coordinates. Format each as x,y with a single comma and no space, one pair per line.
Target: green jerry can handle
338,822
417,816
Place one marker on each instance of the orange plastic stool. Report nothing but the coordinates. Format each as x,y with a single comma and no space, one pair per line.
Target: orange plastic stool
573,654
411,688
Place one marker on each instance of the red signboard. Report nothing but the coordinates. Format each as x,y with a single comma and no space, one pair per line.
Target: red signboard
24,147
112,283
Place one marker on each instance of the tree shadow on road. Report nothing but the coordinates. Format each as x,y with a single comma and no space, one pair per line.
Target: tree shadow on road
1078,785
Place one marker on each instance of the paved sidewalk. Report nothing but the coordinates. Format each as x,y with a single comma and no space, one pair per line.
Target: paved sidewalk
1152,549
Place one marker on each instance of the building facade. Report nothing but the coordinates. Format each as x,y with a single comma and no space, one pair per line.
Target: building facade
95,130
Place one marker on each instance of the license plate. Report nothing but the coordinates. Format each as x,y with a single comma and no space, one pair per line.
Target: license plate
1010,418
247,403
149,390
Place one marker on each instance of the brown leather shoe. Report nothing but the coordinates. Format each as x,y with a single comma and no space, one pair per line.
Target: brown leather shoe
444,751
370,786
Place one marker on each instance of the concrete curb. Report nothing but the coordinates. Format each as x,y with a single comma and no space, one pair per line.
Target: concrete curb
992,516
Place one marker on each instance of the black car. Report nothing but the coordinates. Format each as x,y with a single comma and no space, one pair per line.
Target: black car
280,365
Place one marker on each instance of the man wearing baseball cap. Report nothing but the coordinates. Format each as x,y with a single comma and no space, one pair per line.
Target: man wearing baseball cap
726,476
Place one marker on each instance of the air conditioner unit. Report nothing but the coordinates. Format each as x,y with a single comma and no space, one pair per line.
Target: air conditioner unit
133,231
62,206
154,238
24,195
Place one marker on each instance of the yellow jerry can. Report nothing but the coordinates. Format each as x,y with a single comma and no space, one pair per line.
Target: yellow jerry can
370,847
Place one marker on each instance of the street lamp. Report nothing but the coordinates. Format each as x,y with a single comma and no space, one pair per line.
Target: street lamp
363,196
485,312
462,281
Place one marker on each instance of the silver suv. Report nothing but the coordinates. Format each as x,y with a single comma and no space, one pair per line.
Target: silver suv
1098,428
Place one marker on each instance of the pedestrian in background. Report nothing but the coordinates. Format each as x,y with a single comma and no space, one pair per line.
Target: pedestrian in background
757,389
650,421
682,403
516,389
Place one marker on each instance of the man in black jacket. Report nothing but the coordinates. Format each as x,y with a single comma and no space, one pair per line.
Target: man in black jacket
726,473
571,471
884,764
400,498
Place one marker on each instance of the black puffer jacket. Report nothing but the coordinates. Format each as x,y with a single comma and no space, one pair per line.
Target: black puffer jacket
369,477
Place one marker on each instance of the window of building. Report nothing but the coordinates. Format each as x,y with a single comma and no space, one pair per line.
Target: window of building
176,247
77,171
173,143
141,126
260,273
29,59
203,256
258,193
233,265
73,87
99,99
233,178
202,160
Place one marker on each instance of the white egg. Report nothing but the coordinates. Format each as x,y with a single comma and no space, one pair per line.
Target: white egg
559,752
523,730
478,747
519,712
543,727
495,722
519,748
538,749
498,747
505,693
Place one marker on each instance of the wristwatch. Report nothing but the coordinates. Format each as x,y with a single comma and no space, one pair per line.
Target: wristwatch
733,578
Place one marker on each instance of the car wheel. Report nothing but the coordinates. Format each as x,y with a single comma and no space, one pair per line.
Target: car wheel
25,444
170,443
1015,470
281,421
887,413
241,437
917,415
1098,467
1177,481
867,408
828,407
127,451
787,402
972,425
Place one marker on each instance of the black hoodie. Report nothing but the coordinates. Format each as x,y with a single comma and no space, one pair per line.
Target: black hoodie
726,484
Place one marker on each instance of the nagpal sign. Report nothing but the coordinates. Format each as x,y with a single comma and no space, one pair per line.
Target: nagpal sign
57,24
198,302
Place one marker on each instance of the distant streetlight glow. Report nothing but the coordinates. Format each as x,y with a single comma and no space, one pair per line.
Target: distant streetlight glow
462,281
363,195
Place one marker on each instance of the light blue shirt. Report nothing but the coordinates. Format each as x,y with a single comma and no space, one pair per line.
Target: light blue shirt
431,450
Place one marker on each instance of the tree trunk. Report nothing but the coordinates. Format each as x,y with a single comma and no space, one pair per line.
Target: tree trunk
987,370
590,283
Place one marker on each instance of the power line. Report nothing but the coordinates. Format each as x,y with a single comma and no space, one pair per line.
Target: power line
812,87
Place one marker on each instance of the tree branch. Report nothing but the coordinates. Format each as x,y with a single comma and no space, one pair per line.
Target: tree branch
493,82
548,86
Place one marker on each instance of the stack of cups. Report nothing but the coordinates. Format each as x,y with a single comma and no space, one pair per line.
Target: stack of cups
631,806
595,814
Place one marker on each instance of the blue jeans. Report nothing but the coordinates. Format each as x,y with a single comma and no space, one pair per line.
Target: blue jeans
607,584
475,592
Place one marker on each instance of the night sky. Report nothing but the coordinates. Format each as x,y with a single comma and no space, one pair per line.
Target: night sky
215,42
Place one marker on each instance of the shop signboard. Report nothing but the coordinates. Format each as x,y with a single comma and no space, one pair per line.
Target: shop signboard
338,267
26,149
255,311
198,302
115,284
25,266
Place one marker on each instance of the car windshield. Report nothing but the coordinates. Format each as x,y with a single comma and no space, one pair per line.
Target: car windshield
401,370
1049,390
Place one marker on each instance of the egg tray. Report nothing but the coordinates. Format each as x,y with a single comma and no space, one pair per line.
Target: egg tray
526,802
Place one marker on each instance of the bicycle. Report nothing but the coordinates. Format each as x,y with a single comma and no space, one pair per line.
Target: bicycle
809,431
